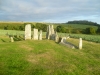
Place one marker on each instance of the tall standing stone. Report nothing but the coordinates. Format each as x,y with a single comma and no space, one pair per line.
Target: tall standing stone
80,43
48,32
56,37
40,35
35,35
52,30
28,31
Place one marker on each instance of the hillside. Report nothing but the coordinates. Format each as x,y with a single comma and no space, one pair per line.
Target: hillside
48,58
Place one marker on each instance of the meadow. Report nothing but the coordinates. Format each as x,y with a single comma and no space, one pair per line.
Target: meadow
45,57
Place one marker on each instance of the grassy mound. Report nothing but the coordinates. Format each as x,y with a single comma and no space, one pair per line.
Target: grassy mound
46,57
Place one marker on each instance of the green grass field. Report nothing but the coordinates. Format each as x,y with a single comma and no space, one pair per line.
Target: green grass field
46,57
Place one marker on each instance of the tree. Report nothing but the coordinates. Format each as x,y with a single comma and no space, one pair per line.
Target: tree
90,30
98,30
61,29
41,26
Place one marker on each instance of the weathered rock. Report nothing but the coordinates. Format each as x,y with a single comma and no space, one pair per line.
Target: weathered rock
56,37
80,43
65,43
40,35
35,35
50,33
11,39
28,31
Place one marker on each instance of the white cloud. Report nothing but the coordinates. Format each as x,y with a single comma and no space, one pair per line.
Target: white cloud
49,10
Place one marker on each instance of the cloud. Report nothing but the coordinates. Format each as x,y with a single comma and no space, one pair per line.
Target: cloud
49,10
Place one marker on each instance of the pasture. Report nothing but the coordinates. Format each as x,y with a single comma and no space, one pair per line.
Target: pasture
45,57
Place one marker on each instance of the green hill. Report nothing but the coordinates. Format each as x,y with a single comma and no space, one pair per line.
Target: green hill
46,57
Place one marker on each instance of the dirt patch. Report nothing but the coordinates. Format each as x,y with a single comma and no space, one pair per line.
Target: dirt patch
35,58
26,47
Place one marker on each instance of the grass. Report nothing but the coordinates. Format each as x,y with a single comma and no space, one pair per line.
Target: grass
46,57
93,38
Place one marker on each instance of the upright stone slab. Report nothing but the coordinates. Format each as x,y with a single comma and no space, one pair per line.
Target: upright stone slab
35,35
52,30
56,37
48,32
28,31
40,35
11,39
80,43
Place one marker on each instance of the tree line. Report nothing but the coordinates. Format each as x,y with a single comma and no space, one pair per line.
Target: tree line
69,29
84,22
21,26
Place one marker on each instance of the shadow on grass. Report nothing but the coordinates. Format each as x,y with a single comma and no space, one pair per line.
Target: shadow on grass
3,40
17,38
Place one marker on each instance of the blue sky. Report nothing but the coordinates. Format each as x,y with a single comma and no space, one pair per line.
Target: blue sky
59,11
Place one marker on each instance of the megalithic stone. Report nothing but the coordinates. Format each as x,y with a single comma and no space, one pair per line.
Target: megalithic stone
56,37
35,35
80,43
28,31
40,35
52,29
11,39
48,32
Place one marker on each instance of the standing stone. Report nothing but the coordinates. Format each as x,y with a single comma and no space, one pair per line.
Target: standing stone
40,35
48,32
28,31
56,37
35,35
51,34
11,39
80,43
52,29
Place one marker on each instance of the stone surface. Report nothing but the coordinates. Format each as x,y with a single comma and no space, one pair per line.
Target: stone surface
40,35
65,43
28,31
35,34
80,43
11,39
56,37
50,33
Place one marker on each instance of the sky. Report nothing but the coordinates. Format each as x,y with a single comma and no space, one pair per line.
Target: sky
54,11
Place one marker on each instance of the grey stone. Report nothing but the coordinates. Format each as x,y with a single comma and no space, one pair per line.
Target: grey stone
65,43
11,39
35,35
28,31
40,35
50,33
80,43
